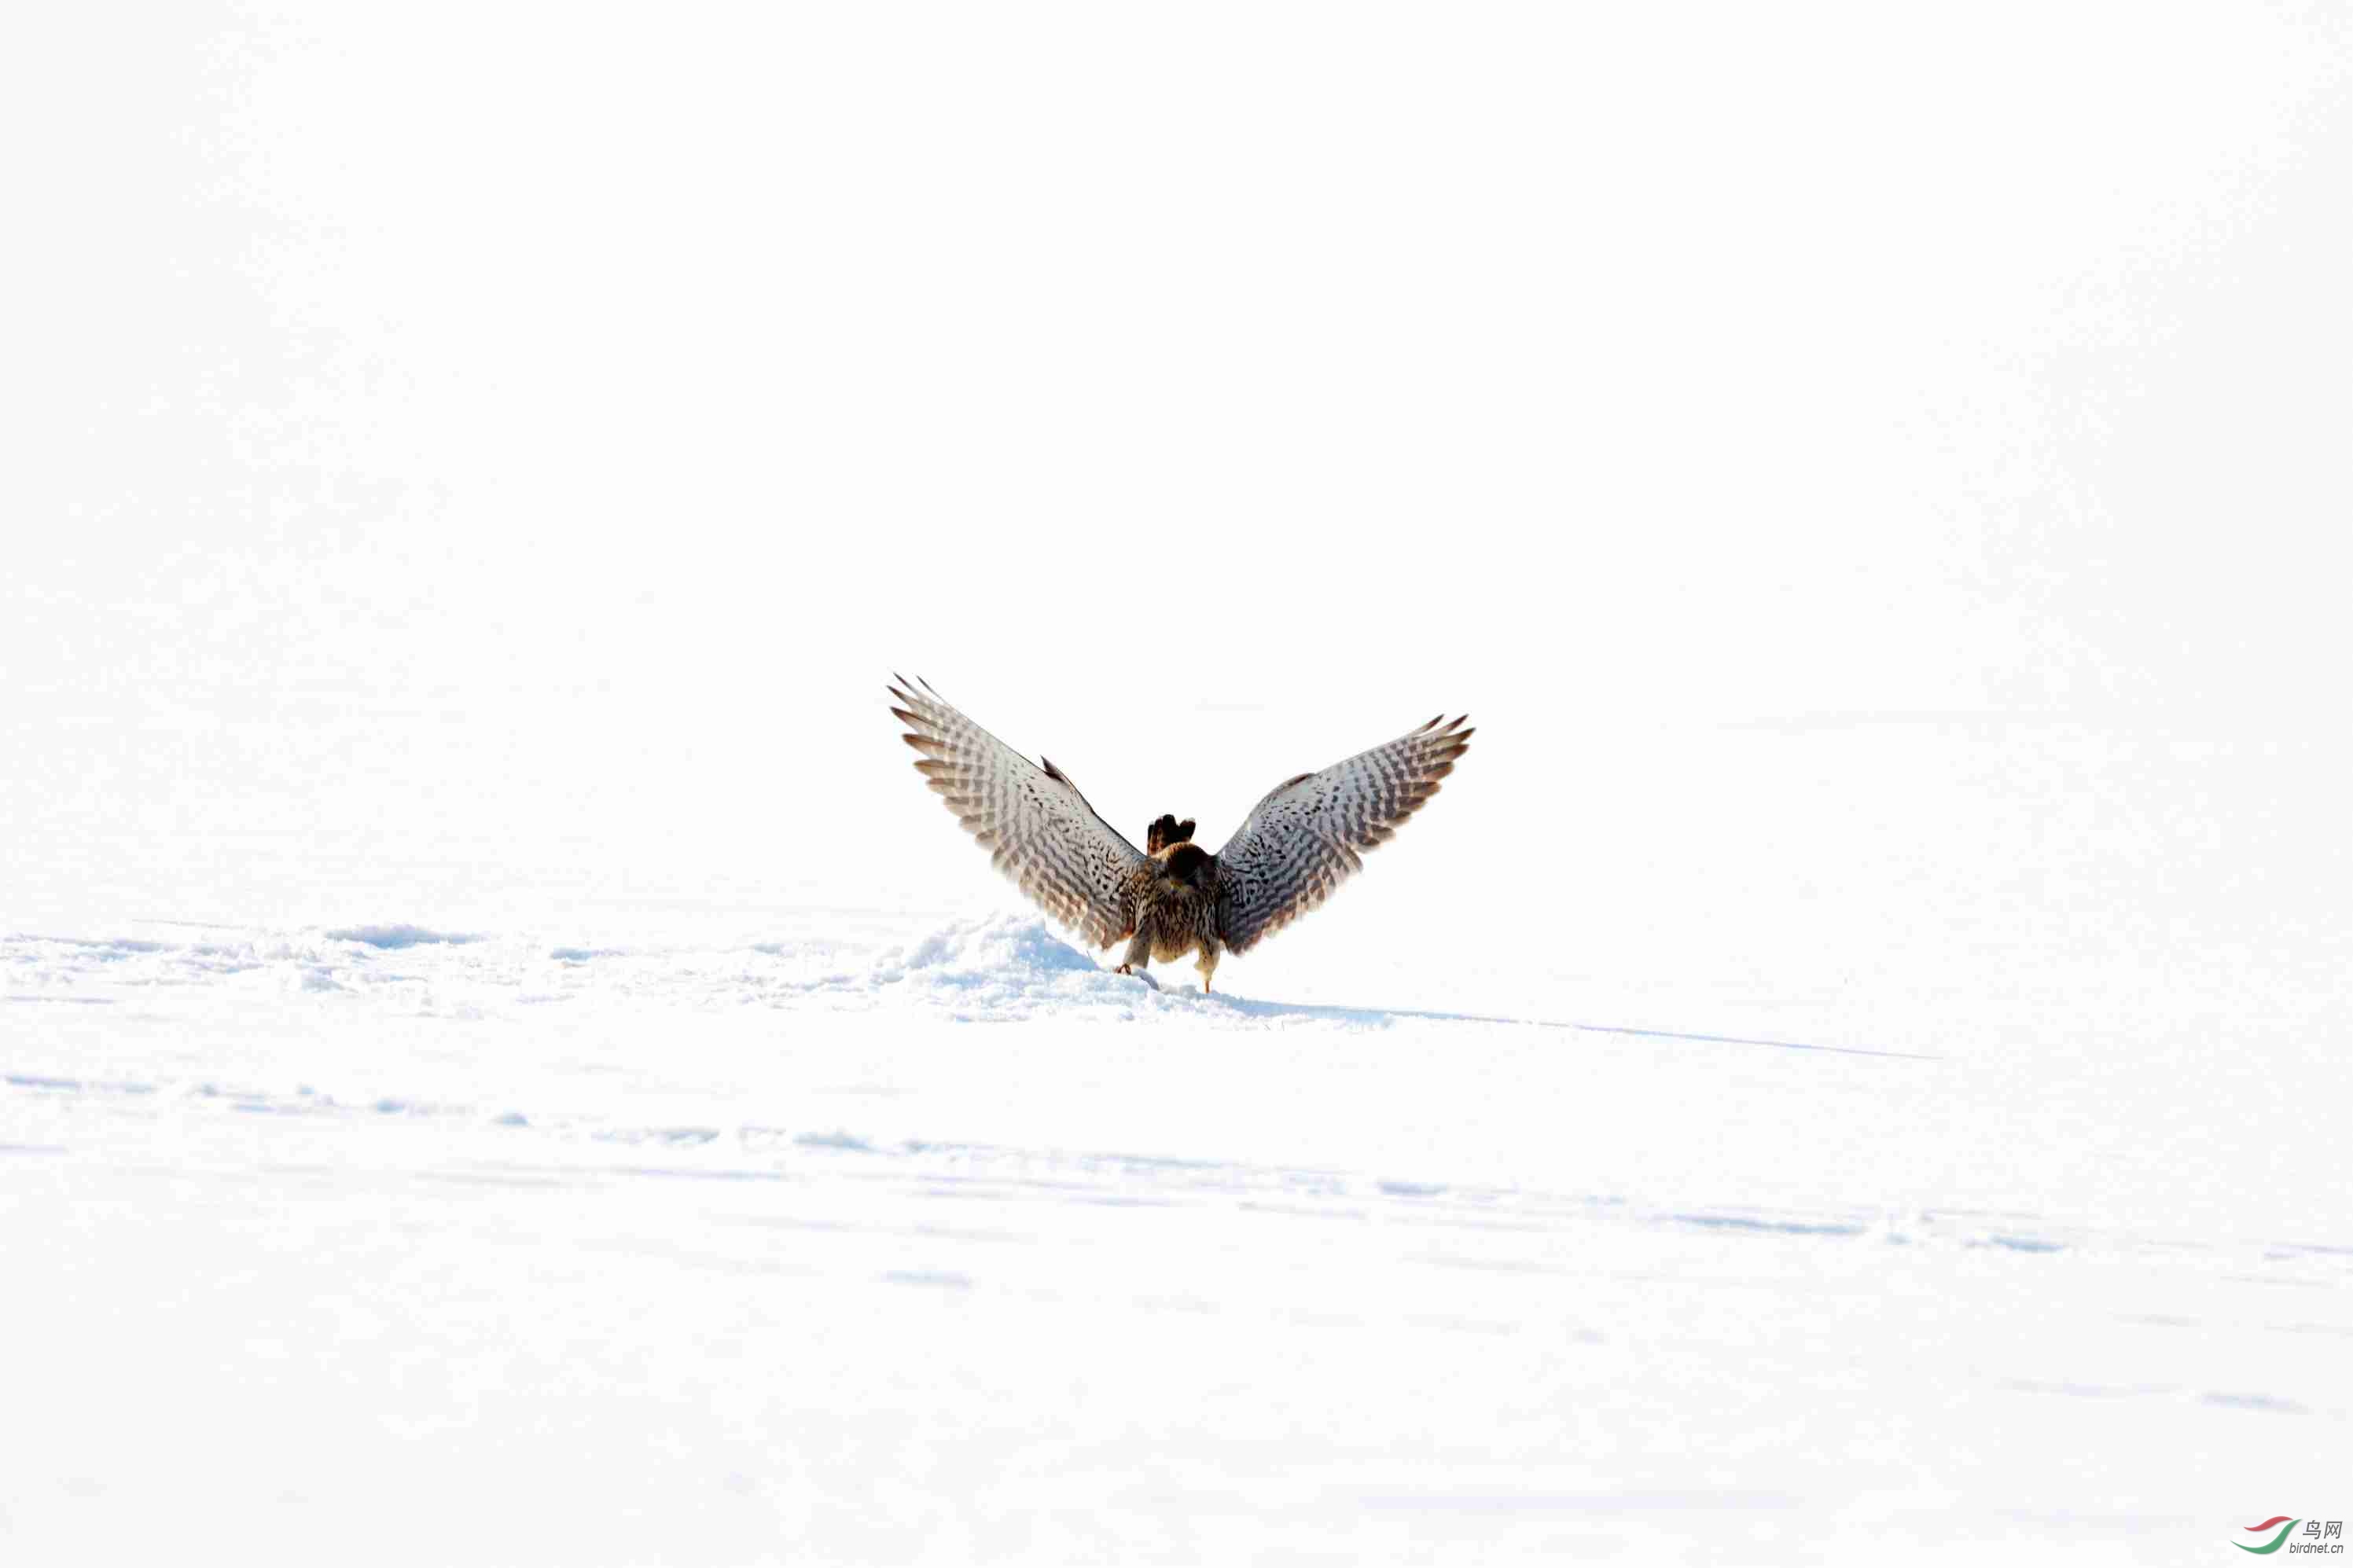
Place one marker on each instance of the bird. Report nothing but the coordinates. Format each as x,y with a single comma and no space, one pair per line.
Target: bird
1172,897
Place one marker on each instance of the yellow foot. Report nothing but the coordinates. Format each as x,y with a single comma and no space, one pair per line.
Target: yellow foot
1204,985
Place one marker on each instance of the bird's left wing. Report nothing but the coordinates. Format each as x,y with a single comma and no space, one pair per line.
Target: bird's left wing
1302,841
1043,834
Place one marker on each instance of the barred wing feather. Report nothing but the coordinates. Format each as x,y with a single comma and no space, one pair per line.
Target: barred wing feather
1040,830
1303,840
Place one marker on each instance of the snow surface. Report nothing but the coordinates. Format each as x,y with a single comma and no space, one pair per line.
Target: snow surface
873,1243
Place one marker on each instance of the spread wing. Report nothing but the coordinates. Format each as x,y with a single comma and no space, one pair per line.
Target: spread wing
1302,841
1071,863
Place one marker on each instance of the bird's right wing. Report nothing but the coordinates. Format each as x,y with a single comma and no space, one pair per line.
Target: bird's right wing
1071,863
1302,841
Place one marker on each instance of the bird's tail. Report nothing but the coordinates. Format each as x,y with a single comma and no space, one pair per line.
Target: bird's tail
1168,830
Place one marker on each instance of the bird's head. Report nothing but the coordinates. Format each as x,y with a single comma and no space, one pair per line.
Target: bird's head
1187,867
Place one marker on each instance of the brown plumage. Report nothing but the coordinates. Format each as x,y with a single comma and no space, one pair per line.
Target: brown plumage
1296,845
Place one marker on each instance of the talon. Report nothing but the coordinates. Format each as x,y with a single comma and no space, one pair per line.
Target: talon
1125,969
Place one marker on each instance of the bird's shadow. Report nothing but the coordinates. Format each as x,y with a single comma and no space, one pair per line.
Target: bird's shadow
1250,1007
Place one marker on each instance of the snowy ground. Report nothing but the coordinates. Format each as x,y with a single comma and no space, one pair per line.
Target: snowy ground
880,1241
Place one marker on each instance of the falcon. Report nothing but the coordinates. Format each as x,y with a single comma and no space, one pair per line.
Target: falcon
1172,897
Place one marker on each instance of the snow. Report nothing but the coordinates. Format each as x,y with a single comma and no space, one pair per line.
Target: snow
950,1245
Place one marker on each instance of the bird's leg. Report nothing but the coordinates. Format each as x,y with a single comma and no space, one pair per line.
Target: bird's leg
1206,963
1139,953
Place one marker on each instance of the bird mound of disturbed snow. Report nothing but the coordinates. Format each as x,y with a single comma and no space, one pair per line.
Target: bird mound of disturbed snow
1002,965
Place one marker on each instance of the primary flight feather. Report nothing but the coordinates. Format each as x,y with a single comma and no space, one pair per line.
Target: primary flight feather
1172,897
